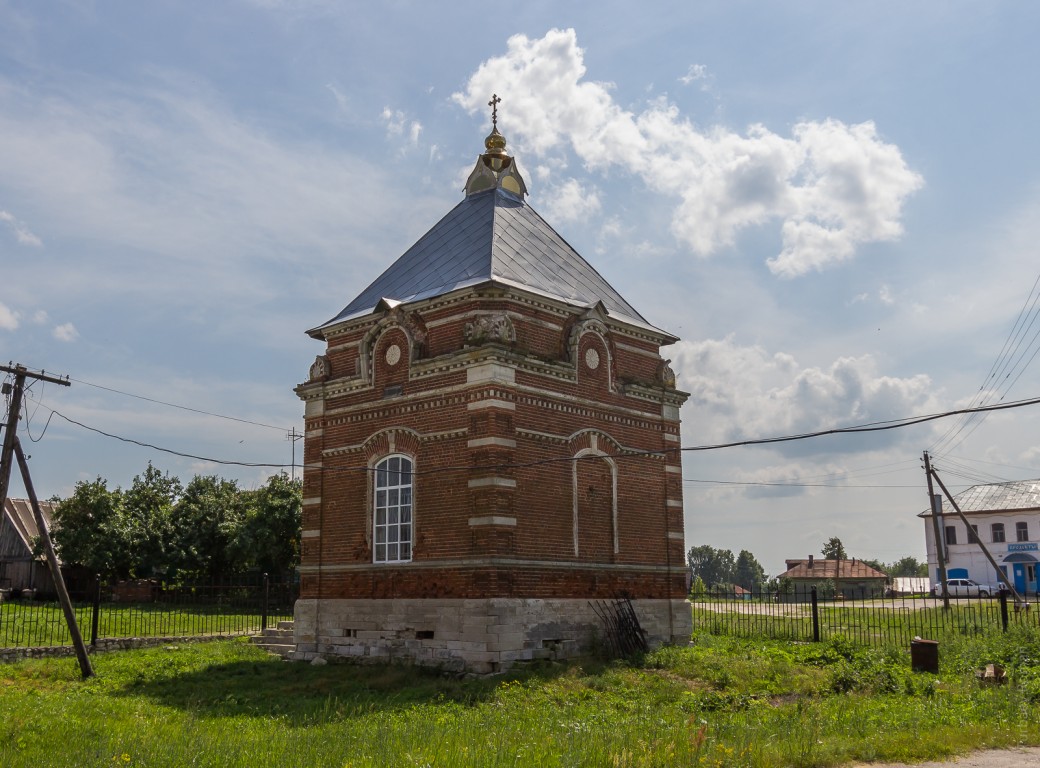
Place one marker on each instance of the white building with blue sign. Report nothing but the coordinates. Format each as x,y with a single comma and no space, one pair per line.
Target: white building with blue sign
1005,517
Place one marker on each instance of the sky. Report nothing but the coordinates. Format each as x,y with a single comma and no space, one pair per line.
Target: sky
834,206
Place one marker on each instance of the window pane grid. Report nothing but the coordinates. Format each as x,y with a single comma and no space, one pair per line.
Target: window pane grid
998,532
393,510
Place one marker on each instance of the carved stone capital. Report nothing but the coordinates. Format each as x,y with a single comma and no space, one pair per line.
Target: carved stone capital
320,368
665,374
489,328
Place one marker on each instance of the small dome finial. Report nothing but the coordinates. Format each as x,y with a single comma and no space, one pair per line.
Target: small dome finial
495,143
495,101
495,168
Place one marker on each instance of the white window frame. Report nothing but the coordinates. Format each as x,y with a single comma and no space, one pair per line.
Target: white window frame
393,508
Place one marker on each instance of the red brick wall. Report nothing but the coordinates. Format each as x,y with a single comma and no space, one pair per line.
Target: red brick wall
417,402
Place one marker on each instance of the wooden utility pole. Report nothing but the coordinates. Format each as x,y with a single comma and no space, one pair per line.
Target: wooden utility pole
293,436
12,449
935,504
1000,574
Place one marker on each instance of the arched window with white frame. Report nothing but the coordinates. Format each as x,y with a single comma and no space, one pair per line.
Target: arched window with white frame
392,512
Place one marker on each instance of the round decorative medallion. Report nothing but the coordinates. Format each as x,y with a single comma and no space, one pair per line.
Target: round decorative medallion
592,358
393,354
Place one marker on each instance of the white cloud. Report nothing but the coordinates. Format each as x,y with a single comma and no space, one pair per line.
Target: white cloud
571,201
8,318
398,124
160,174
342,100
40,317
66,332
885,295
21,231
831,186
694,73
744,392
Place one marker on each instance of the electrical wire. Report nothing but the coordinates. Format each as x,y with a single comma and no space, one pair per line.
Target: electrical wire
993,383
175,405
879,426
754,483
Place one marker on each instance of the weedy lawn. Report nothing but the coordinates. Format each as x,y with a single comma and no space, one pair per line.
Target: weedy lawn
718,702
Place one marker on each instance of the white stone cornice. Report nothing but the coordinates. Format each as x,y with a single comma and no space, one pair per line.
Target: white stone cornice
485,562
487,442
492,520
492,482
491,403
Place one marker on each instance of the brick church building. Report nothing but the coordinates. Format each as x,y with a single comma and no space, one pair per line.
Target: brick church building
491,443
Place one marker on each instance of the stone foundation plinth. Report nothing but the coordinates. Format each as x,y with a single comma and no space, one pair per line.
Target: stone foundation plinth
477,635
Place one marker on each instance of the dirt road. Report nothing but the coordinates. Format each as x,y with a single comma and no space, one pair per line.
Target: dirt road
1022,757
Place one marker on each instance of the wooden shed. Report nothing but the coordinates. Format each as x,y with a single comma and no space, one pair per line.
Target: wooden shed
19,569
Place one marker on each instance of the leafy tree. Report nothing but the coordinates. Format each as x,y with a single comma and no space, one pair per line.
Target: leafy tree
834,549
877,565
269,538
91,529
148,505
908,566
748,573
712,566
210,530
697,587
203,523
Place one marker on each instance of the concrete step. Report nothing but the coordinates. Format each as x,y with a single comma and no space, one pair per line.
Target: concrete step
277,640
278,649
270,632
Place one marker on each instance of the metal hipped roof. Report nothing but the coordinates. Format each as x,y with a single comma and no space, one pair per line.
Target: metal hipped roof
491,236
997,497
1018,495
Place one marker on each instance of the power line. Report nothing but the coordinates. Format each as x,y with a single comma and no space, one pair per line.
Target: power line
993,382
164,450
181,407
778,484
879,426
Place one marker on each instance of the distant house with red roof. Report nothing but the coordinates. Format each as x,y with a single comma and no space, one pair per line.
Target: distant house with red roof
849,578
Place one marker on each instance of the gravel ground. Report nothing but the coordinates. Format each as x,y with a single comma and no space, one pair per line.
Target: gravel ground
1022,757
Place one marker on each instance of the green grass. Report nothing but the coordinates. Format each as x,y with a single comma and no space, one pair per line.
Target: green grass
718,702
35,624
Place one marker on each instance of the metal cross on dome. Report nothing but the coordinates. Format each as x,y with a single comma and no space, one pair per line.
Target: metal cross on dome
495,101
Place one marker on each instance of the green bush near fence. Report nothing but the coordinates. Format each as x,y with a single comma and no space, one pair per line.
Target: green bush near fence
39,625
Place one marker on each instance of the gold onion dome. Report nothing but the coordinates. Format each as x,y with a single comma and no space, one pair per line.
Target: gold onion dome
495,168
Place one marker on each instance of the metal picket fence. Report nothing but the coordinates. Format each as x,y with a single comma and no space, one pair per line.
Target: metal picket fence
179,611
874,619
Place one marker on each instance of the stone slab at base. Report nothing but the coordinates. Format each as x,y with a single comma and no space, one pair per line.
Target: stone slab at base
480,635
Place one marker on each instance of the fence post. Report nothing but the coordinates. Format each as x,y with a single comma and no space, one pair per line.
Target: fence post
95,611
815,616
265,598
1003,608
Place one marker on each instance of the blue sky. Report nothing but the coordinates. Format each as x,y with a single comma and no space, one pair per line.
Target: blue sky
835,206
